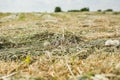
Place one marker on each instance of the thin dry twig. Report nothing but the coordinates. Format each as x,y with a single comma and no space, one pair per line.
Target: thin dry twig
69,68
4,77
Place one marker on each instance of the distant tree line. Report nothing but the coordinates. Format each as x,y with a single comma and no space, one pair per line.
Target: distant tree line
85,9
81,10
58,9
107,10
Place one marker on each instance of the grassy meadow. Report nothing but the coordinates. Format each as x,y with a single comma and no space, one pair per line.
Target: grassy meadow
59,46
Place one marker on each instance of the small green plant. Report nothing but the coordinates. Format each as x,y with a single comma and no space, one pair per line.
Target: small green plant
28,59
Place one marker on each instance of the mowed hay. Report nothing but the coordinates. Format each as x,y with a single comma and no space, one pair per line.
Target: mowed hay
60,46
57,67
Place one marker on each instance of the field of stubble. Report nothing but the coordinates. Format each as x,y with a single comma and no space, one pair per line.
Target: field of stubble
59,46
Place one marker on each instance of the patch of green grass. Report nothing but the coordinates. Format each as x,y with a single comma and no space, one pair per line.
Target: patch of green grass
22,16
